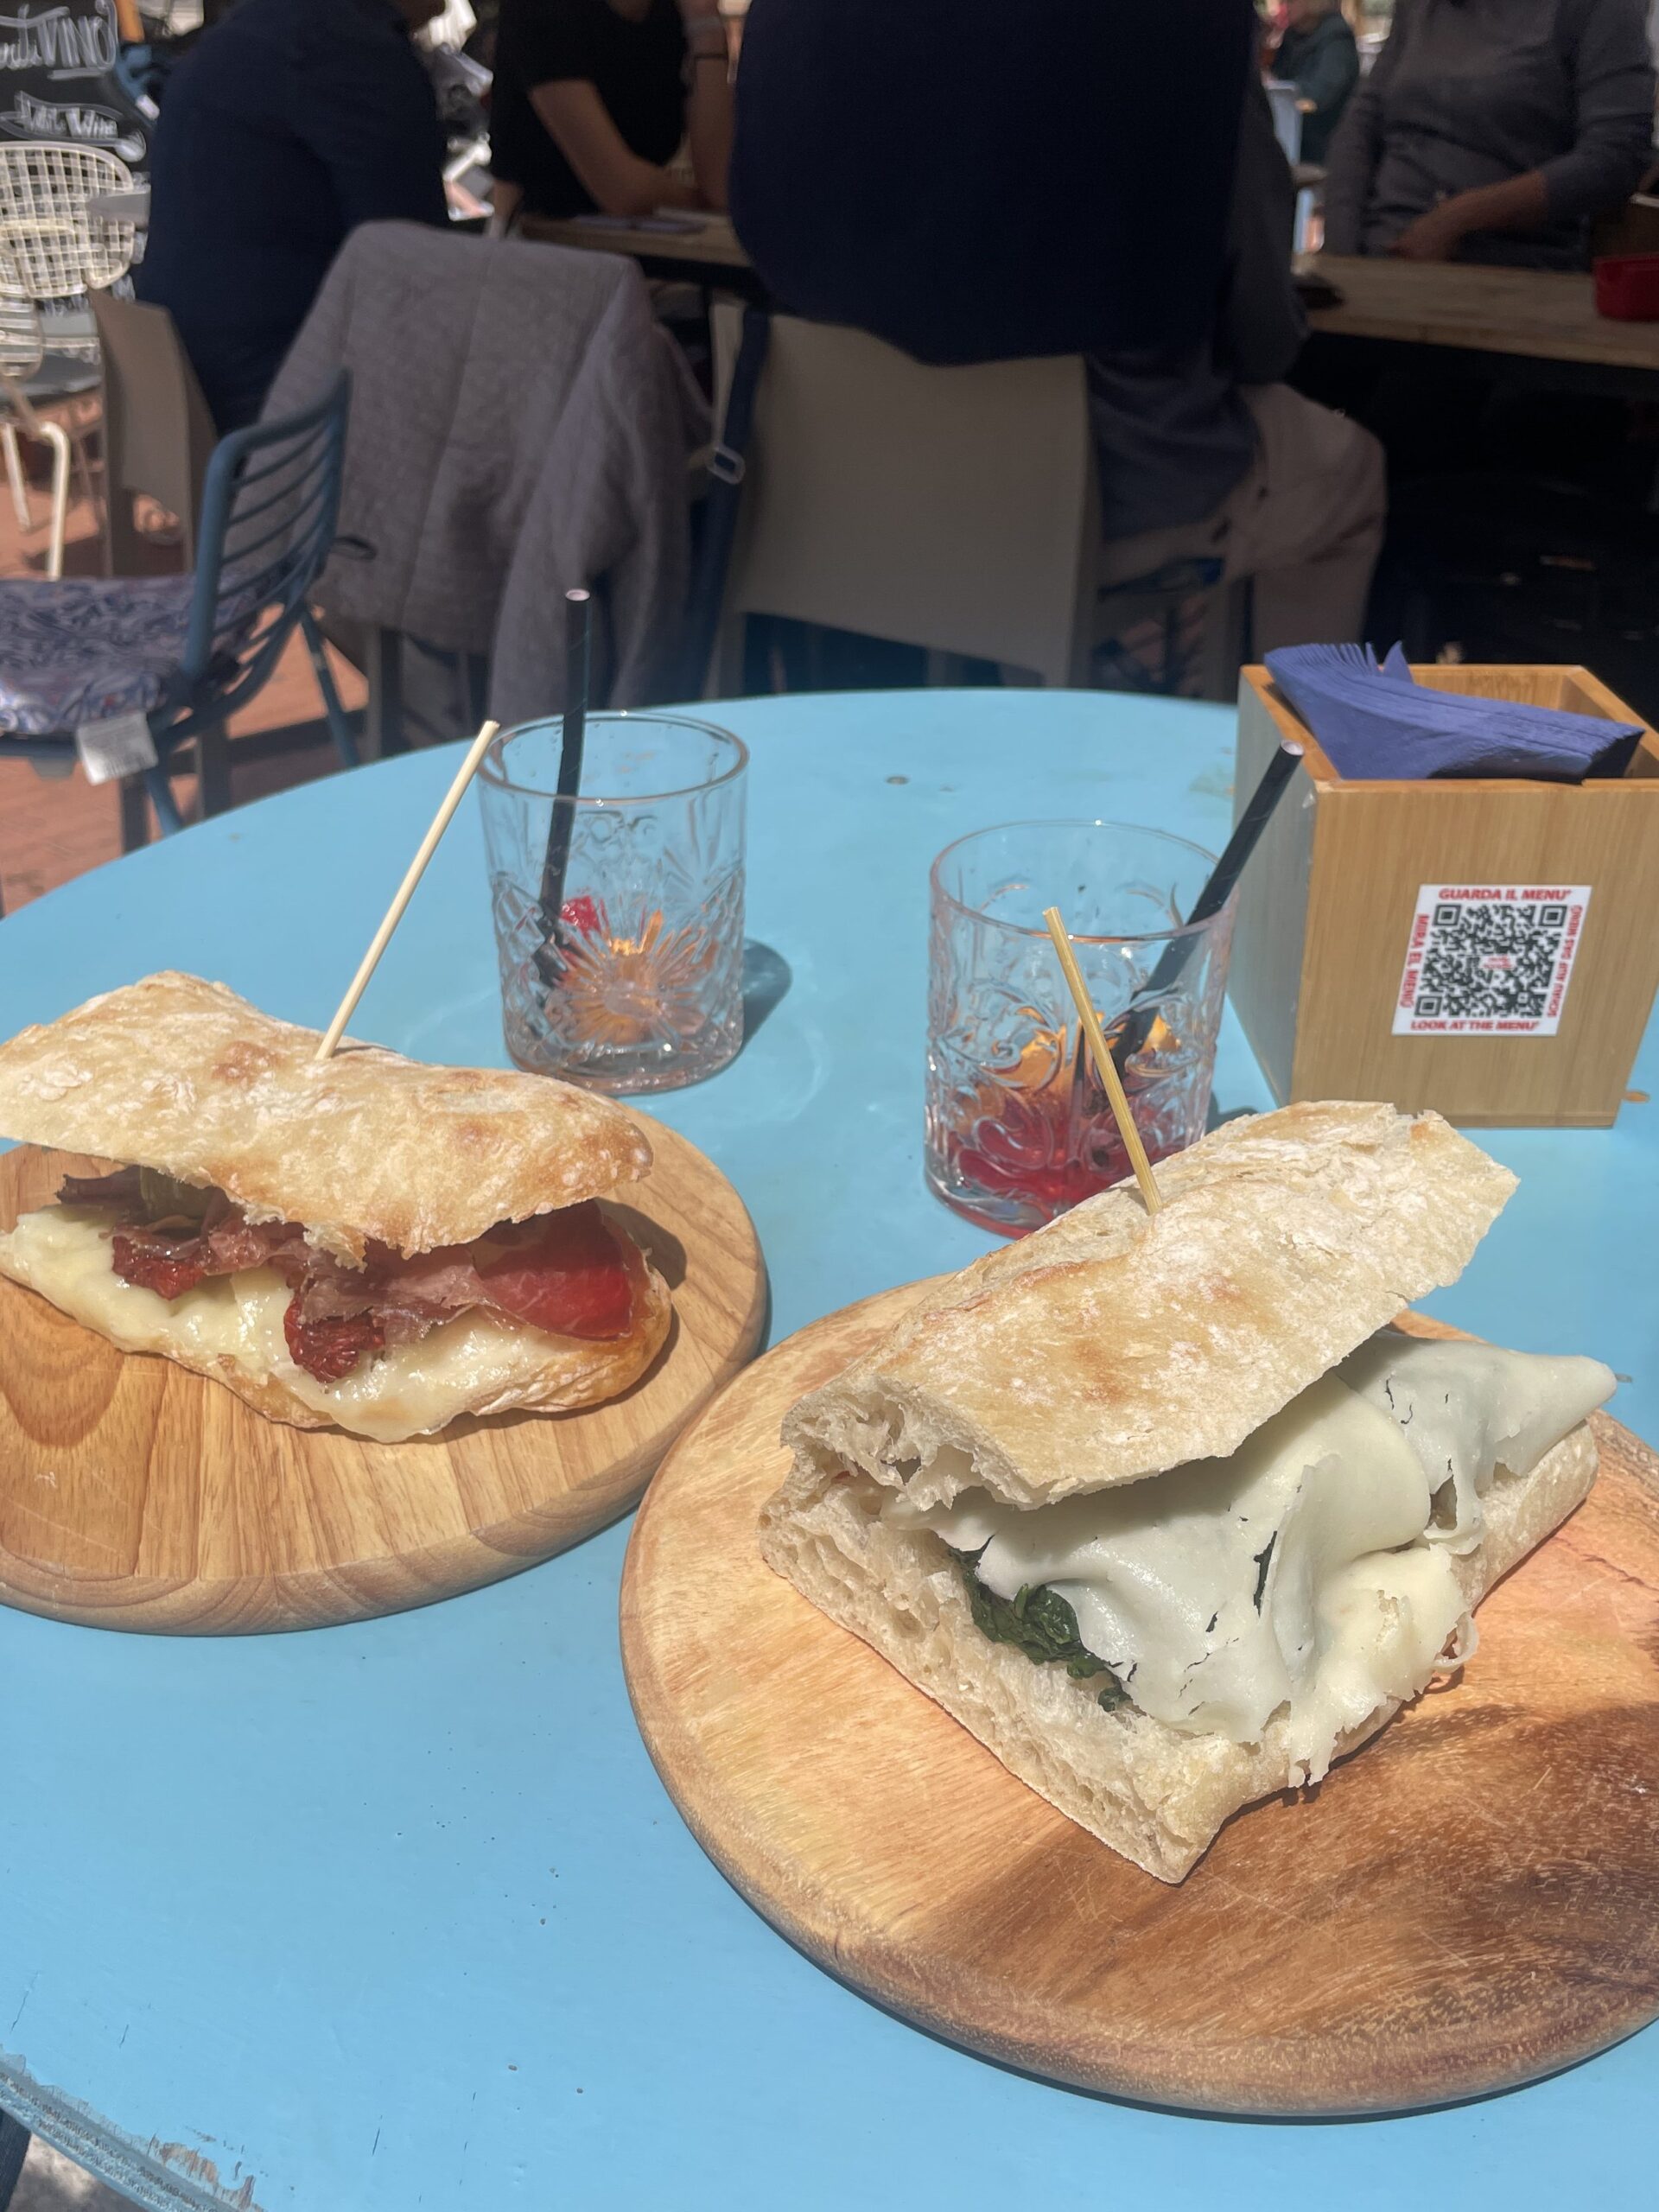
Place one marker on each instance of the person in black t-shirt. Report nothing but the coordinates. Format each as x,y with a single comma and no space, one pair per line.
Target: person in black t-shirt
592,98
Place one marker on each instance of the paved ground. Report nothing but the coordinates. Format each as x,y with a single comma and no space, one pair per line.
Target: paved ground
51,2183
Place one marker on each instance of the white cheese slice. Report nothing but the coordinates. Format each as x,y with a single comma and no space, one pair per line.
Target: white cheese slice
64,1253
1469,1411
1385,1622
1297,1576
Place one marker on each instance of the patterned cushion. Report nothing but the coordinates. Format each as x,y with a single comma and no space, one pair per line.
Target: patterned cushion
81,652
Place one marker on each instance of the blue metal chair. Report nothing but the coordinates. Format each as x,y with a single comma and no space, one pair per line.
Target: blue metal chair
187,651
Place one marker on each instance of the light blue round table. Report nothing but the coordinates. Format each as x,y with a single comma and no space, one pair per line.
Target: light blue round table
376,1918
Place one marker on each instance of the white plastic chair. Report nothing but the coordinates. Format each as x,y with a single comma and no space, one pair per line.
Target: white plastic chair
951,508
22,352
54,250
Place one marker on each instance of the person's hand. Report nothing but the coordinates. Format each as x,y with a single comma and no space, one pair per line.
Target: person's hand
1433,237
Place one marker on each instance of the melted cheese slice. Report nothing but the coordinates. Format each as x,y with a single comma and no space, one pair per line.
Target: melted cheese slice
1471,1411
1297,1577
410,1389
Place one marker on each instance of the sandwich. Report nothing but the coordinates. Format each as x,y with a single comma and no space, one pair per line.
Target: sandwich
362,1242
1160,1506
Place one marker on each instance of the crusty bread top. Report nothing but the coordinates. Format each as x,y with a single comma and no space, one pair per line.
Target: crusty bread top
184,1075
1115,1344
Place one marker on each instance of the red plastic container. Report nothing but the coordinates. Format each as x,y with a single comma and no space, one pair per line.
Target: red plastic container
1627,286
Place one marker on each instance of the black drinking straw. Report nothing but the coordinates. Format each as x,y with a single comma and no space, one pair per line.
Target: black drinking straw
578,655
1224,880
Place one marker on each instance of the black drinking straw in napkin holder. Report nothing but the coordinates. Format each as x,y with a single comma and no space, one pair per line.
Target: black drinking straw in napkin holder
1223,881
556,861
1486,945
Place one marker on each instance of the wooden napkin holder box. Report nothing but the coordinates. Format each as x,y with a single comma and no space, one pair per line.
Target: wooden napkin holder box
1509,1011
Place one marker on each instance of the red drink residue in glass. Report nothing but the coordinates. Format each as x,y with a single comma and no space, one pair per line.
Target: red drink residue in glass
1035,1136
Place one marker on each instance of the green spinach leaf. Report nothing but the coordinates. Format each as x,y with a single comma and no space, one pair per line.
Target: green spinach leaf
1040,1623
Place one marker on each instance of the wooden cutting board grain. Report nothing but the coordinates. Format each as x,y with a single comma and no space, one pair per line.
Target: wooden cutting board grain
134,1495
1468,1902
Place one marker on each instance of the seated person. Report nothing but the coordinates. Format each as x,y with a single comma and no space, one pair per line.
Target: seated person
1206,454
1150,131
291,123
592,100
1318,54
1492,130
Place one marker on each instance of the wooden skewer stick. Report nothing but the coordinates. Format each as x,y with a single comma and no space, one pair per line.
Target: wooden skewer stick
441,821
1103,1061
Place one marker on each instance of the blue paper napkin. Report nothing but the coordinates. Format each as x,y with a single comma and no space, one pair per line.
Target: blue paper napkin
1377,722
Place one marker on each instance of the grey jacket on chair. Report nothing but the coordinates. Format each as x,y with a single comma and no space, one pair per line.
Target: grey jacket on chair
520,426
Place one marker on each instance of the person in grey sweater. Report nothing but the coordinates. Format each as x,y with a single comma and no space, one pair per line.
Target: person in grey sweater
1492,130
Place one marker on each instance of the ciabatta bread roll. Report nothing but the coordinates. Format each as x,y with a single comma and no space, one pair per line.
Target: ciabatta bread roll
1159,1508
362,1242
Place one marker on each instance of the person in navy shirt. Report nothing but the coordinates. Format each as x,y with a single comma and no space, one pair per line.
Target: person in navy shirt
289,123
974,181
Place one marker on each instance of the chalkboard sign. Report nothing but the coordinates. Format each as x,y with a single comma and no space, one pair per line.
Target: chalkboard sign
57,78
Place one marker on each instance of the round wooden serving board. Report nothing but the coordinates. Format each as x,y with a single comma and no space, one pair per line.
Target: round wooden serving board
1471,1901
135,1495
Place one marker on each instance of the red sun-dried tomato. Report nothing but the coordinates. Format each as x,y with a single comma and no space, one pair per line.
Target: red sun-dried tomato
330,1350
150,1269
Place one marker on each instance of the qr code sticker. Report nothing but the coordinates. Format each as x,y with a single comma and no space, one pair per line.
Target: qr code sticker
1490,959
